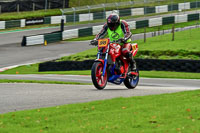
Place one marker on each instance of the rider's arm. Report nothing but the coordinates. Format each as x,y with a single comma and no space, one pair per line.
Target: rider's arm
126,30
103,32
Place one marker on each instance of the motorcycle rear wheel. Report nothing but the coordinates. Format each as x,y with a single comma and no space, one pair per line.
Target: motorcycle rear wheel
98,79
131,81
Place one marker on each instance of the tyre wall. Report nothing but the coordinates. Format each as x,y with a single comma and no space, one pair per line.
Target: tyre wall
143,64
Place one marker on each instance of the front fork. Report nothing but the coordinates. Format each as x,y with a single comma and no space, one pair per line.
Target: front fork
104,62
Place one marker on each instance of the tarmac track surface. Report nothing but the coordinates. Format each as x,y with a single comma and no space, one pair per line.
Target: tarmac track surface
11,55
22,96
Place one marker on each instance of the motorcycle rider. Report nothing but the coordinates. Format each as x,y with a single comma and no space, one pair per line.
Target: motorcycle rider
118,30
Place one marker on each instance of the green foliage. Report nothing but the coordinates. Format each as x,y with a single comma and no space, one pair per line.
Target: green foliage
178,112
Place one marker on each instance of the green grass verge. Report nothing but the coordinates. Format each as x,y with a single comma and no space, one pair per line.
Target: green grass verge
185,46
33,69
178,112
40,81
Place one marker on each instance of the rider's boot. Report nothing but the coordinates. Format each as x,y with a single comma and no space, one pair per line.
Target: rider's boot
132,62
133,65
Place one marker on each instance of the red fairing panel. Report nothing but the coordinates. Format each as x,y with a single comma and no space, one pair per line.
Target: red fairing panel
115,51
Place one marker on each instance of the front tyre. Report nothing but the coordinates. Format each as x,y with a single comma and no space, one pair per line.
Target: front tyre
98,79
131,81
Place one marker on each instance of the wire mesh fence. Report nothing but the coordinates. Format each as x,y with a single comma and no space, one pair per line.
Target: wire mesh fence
31,5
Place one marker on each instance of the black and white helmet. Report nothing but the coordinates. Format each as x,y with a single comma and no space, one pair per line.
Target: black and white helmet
113,21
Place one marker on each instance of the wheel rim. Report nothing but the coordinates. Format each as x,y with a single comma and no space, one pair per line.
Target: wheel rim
133,81
101,80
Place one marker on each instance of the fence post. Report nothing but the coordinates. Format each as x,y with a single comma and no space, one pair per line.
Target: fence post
88,11
63,4
196,6
132,3
171,7
33,6
74,14
45,5
173,33
184,6
144,34
49,5
17,7
159,6
144,7
117,5
62,25
62,21
104,9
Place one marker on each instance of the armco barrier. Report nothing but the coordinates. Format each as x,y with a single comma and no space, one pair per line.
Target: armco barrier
40,39
75,33
143,64
99,15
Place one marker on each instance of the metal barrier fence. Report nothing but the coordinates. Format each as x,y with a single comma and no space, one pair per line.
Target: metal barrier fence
31,5
102,11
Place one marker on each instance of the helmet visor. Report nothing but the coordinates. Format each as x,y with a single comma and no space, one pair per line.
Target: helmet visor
112,26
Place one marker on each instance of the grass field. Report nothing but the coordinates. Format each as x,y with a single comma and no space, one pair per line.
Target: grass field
185,46
166,113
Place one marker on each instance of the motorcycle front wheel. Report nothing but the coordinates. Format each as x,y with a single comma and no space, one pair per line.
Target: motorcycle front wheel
98,79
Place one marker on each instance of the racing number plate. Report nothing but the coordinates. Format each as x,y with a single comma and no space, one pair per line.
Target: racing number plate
134,46
103,42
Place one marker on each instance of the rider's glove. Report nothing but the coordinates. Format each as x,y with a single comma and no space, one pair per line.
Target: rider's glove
121,40
94,42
